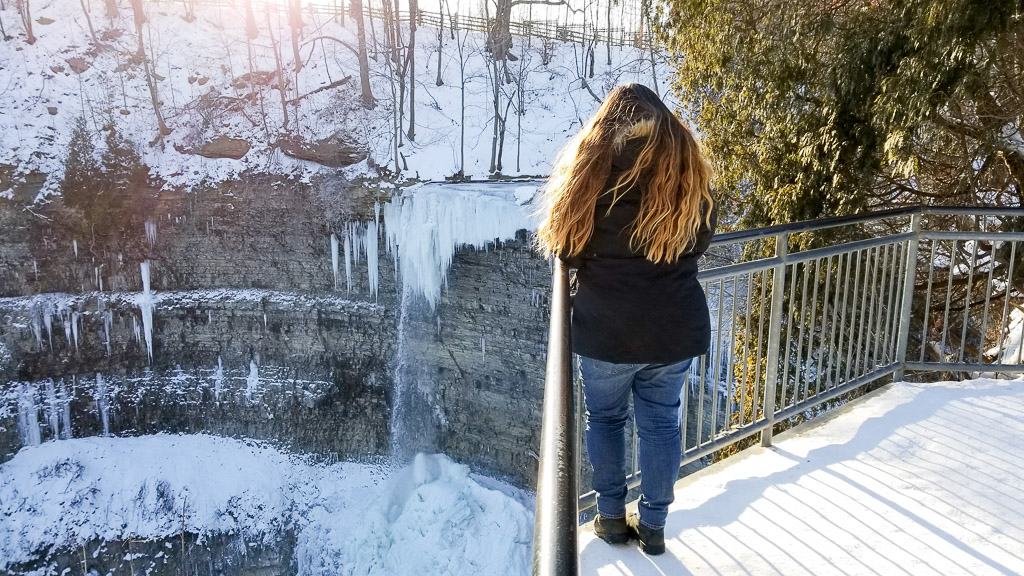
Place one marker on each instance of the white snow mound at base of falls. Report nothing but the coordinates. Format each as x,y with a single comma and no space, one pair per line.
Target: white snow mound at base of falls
432,518
429,518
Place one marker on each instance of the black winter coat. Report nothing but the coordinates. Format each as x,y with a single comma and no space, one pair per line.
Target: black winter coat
628,309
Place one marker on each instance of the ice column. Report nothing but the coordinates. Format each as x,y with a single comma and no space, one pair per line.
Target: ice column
218,379
103,403
252,381
28,416
146,305
334,258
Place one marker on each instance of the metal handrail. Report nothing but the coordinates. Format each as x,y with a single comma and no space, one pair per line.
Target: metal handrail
858,332
556,520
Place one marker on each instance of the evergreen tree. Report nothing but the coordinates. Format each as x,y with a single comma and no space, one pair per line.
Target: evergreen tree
835,107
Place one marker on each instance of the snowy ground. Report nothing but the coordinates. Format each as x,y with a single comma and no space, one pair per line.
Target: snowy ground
432,517
916,479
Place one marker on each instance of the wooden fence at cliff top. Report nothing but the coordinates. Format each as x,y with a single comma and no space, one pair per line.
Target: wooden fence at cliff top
577,33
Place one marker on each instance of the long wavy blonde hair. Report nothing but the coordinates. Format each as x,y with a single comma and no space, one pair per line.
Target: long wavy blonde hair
674,172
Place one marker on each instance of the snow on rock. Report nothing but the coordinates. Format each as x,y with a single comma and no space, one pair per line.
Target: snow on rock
427,223
918,479
430,518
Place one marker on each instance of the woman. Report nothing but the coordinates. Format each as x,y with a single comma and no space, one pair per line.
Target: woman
628,205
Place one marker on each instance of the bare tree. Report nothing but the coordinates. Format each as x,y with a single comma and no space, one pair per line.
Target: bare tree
364,65
251,30
88,21
190,10
279,72
608,23
139,17
295,26
411,67
440,42
3,31
112,9
645,14
25,13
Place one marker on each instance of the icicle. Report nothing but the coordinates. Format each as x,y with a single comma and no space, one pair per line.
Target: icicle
348,262
371,244
28,416
74,244
108,320
135,329
264,320
483,348
218,379
35,268
151,232
252,381
146,305
334,258
209,316
102,404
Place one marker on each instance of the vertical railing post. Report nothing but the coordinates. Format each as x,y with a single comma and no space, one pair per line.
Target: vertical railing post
903,335
774,335
557,517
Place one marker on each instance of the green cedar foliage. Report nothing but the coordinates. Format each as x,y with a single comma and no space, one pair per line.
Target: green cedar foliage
832,107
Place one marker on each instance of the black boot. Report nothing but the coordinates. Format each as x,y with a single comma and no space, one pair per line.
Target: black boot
652,541
611,530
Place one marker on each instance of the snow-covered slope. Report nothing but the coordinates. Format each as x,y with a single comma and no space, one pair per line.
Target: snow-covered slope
213,83
431,517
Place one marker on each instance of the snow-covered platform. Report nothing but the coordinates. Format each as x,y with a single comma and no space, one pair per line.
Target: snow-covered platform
913,479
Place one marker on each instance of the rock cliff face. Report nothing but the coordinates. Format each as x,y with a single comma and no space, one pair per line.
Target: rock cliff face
255,334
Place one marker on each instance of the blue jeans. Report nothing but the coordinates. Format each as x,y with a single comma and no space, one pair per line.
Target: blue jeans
655,389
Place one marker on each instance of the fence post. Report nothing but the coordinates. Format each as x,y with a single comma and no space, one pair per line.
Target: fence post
771,373
908,296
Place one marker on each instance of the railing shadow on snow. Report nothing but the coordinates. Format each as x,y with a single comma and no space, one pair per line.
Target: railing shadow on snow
804,314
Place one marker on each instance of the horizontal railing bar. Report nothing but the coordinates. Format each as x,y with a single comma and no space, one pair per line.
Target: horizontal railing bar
709,274
973,210
729,270
810,225
846,248
837,221
964,367
972,235
838,391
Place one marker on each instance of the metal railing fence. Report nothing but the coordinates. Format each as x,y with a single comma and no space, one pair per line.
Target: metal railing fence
871,297
544,29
